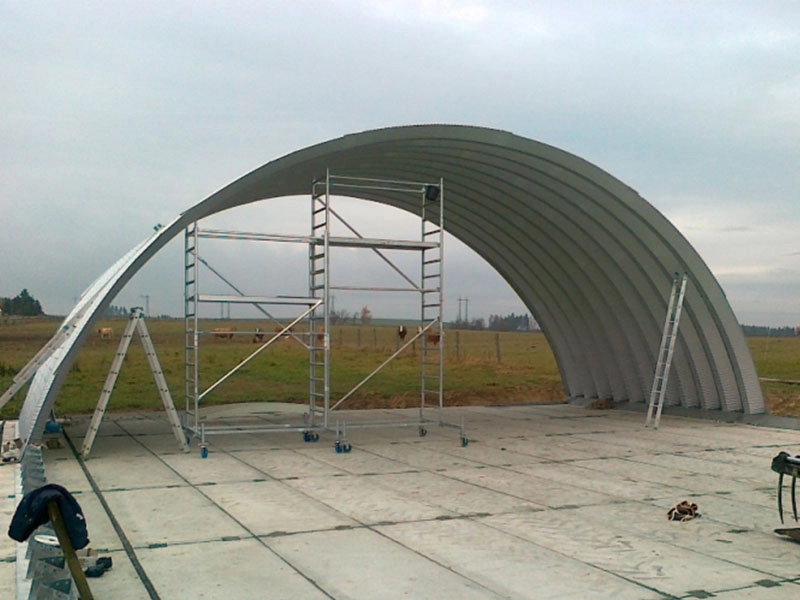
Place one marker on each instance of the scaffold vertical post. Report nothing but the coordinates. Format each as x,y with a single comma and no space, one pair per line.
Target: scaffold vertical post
191,306
318,319
432,344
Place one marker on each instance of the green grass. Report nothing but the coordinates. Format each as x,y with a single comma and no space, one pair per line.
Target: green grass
473,374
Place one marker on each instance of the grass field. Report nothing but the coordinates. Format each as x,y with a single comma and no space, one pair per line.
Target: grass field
526,371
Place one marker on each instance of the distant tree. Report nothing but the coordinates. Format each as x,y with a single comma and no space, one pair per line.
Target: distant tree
339,316
117,311
475,324
765,331
366,315
23,304
510,322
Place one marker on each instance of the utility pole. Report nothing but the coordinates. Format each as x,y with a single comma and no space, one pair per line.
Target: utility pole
146,304
466,309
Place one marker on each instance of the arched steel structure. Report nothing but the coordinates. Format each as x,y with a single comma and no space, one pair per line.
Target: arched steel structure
590,258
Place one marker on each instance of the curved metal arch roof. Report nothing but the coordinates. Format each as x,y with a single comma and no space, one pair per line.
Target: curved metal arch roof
591,259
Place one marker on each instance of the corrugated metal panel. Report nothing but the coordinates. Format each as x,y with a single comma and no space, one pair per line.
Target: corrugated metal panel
591,259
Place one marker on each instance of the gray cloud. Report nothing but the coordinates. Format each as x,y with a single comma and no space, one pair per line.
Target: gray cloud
119,116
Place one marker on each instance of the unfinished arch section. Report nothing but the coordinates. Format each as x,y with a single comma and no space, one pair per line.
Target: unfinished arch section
590,258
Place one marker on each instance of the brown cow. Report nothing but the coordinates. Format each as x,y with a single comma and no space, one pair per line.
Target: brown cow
401,332
433,338
258,335
223,333
105,333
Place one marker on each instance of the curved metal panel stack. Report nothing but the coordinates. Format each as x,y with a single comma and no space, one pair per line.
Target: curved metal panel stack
591,259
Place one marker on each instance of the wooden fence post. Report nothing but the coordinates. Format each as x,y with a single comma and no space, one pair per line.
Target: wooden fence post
497,346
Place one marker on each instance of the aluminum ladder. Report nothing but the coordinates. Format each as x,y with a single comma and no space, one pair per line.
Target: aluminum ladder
432,299
136,322
319,288
666,350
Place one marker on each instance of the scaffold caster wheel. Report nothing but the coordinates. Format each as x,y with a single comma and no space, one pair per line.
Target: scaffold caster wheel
314,437
464,442
337,446
346,448
203,452
423,432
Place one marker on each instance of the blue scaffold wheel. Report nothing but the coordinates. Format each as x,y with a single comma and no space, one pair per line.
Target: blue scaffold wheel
203,452
346,448
306,436
337,446
423,432
464,442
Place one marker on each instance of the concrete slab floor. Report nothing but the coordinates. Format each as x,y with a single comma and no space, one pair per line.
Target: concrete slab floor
546,502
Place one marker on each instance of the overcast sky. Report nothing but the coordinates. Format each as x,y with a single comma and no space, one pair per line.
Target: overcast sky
120,115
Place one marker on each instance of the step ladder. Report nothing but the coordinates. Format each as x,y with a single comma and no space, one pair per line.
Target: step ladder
665,351
135,323
432,299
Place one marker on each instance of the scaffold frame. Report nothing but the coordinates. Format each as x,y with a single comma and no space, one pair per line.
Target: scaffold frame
428,285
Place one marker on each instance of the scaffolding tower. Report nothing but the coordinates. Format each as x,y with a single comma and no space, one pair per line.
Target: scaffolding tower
316,307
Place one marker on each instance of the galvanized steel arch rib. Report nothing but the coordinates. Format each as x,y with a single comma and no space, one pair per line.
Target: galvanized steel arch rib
591,259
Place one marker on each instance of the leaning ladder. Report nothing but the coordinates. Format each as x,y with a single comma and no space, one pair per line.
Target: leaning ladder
136,322
665,351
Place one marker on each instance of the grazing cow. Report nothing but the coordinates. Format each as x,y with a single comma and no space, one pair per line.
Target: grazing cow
401,332
223,333
433,338
105,333
258,335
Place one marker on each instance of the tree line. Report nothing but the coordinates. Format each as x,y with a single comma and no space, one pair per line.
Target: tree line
23,305
512,322
764,331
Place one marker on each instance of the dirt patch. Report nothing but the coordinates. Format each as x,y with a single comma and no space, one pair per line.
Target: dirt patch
784,401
